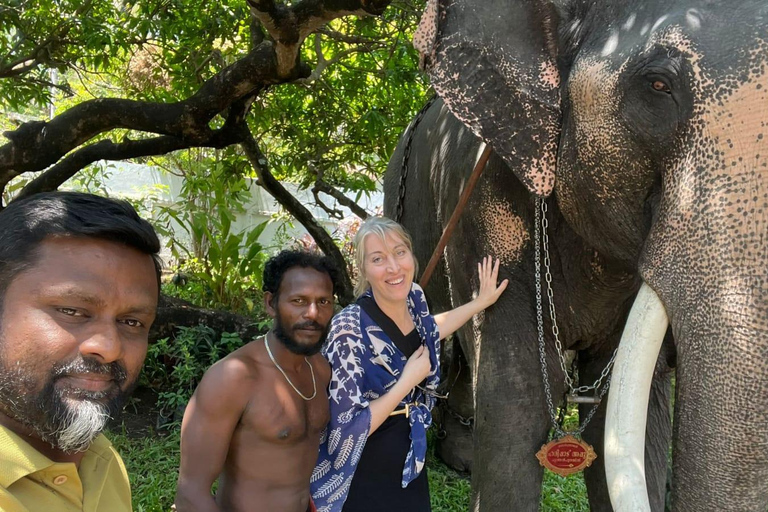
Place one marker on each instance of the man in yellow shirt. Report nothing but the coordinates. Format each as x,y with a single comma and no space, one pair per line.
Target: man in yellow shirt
79,283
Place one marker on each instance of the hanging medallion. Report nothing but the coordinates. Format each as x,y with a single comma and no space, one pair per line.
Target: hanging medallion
566,455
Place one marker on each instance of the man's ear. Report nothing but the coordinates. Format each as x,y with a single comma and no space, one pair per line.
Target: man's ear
268,297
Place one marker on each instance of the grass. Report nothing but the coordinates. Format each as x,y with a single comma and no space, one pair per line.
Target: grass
153,467
449,491
563,493
153,461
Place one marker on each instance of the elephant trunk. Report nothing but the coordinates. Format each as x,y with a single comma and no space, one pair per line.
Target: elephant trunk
720,437
720,456
628,402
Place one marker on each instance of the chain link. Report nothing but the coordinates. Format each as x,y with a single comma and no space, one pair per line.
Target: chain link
406,158
466,421
540,322
542,242
553,316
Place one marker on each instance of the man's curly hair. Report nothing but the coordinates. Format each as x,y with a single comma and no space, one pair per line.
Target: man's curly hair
278,265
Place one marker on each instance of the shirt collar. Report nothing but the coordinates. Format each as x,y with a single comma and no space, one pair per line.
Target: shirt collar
19,459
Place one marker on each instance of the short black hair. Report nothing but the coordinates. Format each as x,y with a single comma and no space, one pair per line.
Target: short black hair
278,265
26,223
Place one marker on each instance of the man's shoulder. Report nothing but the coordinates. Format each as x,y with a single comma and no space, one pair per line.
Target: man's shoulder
234,369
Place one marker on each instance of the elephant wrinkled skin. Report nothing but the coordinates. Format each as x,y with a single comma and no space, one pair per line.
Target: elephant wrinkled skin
646,125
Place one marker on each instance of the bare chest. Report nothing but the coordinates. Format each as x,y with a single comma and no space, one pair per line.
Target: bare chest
277,414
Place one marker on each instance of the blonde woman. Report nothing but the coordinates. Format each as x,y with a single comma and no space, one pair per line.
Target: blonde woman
384,355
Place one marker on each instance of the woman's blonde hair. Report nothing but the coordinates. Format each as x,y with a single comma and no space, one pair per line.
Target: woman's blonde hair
381,227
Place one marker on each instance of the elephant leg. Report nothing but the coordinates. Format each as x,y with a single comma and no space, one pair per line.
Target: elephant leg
590,367
455,416
657,437
511,423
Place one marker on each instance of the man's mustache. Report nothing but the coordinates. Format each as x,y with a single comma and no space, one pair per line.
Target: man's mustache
310,324
90,365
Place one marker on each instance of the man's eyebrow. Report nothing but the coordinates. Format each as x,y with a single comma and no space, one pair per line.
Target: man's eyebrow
73,293
69,292
141,310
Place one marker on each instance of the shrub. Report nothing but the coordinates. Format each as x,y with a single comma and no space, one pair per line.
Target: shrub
175,366
237,289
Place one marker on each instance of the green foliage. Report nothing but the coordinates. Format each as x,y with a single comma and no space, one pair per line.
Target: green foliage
92,180
449,491
152,463
563,494
341,123
174,367
344,125
224,267
43,35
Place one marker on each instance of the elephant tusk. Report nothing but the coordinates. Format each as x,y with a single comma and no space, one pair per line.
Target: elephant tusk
628,402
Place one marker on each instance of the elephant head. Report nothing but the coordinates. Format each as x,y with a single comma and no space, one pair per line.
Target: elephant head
648,120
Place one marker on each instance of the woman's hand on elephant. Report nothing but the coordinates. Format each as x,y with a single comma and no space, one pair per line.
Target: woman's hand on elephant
489,292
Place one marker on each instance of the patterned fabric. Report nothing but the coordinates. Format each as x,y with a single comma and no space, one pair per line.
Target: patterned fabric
365,364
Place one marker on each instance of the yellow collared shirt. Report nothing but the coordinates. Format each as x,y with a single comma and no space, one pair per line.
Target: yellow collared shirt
31,482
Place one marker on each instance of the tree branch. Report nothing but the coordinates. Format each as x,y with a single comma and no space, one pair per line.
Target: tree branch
41,54
346,38
53,177
332,212
37,145
323,63
289,26
298,211
321,186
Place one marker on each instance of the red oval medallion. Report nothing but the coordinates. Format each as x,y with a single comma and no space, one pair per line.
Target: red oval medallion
566,455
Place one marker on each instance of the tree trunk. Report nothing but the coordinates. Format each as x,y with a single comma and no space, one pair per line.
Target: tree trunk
173,313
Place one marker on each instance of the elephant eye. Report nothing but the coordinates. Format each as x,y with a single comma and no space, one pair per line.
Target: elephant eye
660,86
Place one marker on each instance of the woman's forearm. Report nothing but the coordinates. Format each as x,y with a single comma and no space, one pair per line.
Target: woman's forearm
450,321
488,293
383,406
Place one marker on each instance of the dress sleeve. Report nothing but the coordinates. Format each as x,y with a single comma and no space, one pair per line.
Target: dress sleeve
343,441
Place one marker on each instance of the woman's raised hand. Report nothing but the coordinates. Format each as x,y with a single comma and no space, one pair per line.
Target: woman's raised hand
489,273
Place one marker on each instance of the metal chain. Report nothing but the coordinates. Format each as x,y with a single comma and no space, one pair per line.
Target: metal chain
542,240
553,315
540,322
406,157
467,422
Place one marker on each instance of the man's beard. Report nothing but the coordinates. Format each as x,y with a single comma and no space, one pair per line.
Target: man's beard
68,419
292,345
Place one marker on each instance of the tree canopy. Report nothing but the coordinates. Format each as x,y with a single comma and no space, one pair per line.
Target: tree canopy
311,91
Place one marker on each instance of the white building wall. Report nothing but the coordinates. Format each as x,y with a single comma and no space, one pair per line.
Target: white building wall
129,180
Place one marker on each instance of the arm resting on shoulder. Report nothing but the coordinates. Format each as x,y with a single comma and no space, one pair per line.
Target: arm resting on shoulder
206,431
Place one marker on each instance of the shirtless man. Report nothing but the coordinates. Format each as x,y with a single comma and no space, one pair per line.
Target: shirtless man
255,420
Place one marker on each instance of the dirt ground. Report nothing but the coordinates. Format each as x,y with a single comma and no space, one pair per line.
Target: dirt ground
140,416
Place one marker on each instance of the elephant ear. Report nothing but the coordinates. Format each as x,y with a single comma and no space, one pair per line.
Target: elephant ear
493,62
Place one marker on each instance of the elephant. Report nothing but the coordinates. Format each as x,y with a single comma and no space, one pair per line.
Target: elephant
640,126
